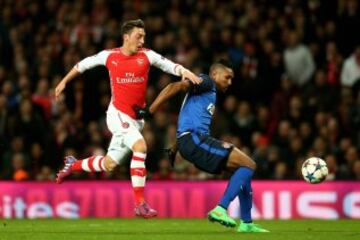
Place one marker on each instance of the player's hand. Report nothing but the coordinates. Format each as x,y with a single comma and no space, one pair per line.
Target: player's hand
187,74
59,89
171,153
142,113
171,156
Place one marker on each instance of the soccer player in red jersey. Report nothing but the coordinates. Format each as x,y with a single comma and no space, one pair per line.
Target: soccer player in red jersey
128,68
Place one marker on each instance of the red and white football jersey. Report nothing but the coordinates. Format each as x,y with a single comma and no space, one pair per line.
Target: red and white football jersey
128,74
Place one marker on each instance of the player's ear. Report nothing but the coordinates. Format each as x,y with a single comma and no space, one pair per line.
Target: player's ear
213,73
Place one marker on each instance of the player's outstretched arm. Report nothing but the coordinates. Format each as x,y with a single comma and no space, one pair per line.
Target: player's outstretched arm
80,67
62,84
168,92
170,67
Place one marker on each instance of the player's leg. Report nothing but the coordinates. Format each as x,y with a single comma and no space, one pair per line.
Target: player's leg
207,154
90,164
138,179
116,152
243,168
240,185
138,170
238,158
135,141
240,182
99,163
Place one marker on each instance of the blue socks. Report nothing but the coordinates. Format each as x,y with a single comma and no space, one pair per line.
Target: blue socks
245,197
240,185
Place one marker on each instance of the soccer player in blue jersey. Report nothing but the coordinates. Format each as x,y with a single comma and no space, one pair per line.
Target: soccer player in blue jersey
195,144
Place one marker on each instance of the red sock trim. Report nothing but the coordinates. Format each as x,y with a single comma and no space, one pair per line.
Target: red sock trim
136,158
141,172
77,166
139,195
100,164
91,164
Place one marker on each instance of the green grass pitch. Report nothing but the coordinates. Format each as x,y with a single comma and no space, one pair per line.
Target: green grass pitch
172,229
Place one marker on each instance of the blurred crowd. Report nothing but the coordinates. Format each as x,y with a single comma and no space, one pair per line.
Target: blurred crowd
295,92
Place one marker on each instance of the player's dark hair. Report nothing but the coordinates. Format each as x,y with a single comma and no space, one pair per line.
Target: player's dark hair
221,63
128,26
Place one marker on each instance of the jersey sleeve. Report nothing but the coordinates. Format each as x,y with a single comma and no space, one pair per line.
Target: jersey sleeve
92,61
163,63
205,86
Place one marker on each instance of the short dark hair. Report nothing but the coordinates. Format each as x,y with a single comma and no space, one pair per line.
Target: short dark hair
221,63
128,26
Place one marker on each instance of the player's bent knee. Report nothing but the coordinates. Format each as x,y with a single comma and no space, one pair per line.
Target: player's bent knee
249,164
237,159
253,165
110,164
139,146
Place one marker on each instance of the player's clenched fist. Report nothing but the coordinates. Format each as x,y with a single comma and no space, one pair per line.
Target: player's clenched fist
142,113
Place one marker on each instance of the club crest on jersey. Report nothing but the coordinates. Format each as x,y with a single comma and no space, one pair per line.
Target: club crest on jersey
123,124
211,108
140,61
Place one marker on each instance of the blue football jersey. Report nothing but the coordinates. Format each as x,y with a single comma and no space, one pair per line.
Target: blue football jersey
198,107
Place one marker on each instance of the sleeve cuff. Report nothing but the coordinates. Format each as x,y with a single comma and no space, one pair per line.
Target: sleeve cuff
178,69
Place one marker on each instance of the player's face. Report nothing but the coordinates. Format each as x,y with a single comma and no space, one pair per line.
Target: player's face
135,39
223,78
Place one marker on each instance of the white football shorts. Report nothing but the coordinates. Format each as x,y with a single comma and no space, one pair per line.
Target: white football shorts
125,132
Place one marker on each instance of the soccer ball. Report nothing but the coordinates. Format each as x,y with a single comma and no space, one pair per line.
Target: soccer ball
314,170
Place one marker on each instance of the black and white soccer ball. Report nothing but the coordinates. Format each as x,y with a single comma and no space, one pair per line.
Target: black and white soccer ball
314,170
